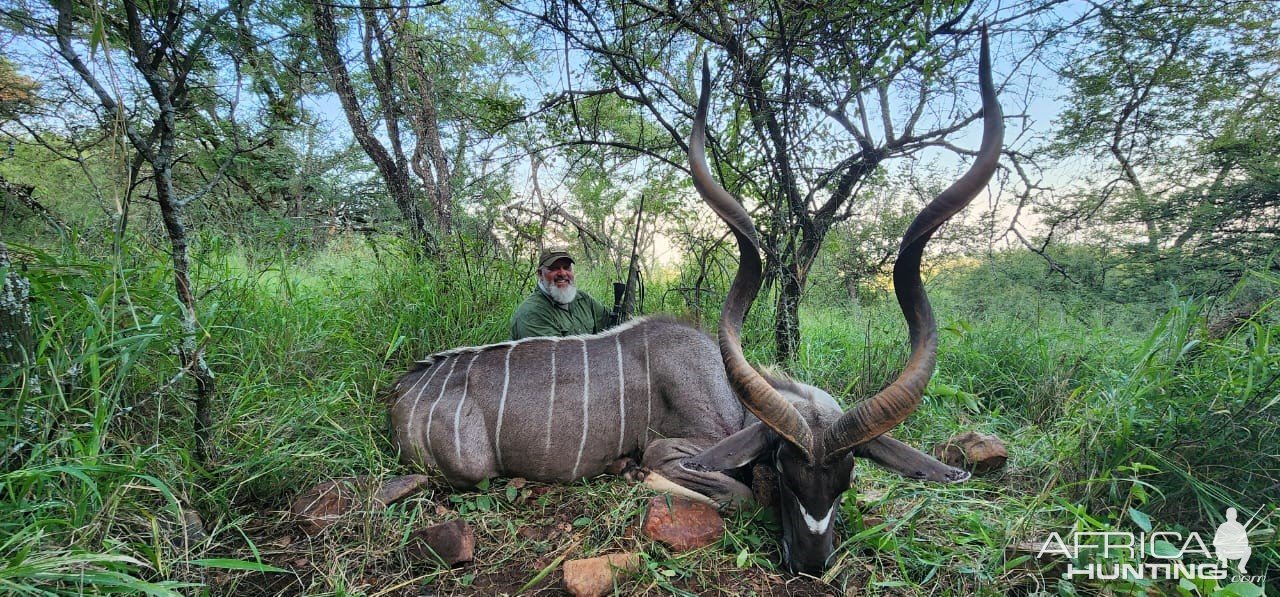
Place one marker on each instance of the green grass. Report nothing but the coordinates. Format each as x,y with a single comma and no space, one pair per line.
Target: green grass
1106,411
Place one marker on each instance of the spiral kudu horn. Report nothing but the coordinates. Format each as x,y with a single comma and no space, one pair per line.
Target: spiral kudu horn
897,401
753,390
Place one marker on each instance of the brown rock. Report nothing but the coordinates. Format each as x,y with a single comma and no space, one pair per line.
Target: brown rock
976,452
596,576
453,542
324,504
682,524
321,506
188,531
399,488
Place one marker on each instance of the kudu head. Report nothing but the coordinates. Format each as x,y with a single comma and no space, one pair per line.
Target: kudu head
811,441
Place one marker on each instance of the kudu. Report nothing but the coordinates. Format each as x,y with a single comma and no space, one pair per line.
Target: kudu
559,409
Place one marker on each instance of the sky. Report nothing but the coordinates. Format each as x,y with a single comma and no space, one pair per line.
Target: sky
1031,98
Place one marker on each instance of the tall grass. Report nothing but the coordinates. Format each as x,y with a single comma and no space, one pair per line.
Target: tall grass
98,484
1197,416
75,473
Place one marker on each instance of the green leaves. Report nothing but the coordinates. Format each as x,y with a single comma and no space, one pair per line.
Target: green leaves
232,564
1142,520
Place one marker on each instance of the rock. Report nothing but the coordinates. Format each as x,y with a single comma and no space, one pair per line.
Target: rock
976,452
186,532
682,524
453,542
398,488
321,506
324,504
596,576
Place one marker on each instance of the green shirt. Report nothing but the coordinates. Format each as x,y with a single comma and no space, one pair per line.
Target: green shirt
538,315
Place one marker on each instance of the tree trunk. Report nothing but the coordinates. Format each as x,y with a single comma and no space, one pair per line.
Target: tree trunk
793,277
154,60
190,350
393,173
786,325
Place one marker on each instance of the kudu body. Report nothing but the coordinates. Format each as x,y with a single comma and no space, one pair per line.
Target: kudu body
558,409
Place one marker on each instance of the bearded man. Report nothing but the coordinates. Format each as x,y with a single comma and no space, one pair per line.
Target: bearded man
557,307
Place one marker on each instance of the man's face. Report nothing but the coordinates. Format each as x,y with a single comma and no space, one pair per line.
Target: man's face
559,274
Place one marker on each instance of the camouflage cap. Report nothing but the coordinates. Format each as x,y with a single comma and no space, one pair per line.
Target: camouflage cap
550,256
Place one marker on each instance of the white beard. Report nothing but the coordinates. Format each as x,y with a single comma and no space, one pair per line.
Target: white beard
561,296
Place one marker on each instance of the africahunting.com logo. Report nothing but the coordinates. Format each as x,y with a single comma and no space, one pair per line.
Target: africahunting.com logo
1156,555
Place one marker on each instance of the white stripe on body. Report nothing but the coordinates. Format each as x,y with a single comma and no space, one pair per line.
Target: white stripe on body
586,385
551,405
502,405
410,390
470,349
622,395
648,390
413,410
457,413
431,413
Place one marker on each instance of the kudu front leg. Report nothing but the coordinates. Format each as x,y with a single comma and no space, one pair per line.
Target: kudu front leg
666,457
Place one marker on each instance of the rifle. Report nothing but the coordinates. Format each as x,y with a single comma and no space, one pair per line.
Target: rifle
624,294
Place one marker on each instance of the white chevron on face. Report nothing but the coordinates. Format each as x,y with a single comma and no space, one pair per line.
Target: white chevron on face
817,526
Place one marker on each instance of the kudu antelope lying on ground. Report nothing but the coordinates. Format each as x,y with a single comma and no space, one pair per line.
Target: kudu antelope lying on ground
558,409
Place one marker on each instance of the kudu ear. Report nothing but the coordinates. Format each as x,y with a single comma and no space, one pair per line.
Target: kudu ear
907,461
733,451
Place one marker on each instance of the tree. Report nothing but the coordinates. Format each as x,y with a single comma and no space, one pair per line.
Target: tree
437,81
1176,102
811,114
17,92
170,48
